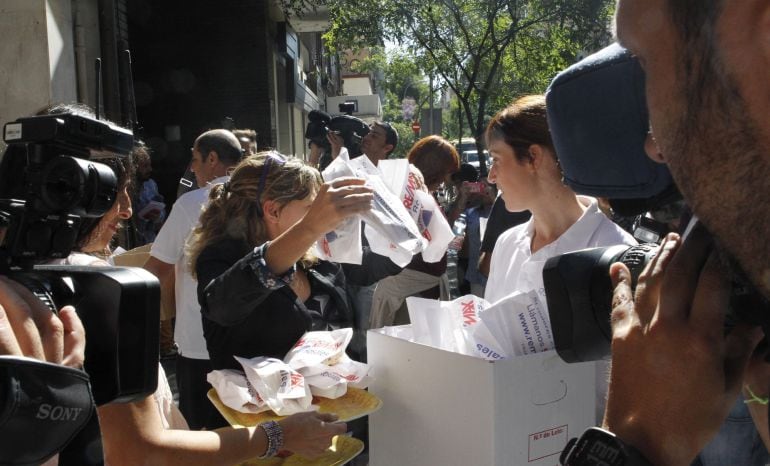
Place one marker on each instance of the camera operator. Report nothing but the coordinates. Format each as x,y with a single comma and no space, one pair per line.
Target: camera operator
378,144
30,329
675,371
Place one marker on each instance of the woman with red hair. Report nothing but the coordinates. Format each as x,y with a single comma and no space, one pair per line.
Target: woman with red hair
435,159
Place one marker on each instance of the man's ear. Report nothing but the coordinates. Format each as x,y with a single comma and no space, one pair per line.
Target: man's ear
388,148
271,211
212,158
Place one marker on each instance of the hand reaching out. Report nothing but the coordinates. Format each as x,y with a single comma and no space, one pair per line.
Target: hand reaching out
310,434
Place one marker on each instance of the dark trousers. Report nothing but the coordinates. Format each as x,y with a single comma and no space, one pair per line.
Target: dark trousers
199,412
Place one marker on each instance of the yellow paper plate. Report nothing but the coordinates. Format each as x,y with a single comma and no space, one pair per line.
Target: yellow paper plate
343,449
354,404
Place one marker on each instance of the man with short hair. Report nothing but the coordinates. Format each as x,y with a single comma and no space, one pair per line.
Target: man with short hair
379,142
214,153
676,372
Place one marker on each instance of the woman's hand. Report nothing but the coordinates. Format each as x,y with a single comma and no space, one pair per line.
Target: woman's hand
310,434
336,201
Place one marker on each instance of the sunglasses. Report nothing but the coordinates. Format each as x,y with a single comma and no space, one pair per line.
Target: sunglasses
272,158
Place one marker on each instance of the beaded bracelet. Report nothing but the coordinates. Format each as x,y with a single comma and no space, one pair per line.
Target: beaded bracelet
274,435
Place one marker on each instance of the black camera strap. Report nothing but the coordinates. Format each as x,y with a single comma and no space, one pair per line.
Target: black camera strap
42,407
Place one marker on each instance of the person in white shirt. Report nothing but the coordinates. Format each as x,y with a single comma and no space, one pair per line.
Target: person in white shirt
526,169
214,153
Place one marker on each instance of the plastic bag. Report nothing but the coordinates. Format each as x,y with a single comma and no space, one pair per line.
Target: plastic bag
433,226
392,233
394,173
446,324
316,365
516,325
343,244
392,226
236,392
421,205
283,389
523,321
321,359
319,348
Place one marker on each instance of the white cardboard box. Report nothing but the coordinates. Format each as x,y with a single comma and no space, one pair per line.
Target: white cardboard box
445,409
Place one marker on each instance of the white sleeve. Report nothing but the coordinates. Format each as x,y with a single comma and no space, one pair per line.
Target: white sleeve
490,291
610,234
169,244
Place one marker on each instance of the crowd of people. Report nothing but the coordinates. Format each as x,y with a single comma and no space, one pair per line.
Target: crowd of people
236,262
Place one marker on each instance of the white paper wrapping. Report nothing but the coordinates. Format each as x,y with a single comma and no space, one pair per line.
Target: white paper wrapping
316,365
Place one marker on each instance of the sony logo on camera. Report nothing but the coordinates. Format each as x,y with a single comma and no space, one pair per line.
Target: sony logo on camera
51,412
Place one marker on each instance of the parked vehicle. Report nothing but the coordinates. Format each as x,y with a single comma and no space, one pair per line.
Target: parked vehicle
465,144
472,157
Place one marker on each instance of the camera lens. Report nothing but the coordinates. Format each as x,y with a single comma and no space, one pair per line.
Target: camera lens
579,294
78,186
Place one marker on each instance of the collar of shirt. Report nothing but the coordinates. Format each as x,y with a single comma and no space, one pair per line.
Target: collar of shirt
573,239
219,180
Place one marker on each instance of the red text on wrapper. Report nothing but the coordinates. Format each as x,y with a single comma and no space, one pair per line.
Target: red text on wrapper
469,313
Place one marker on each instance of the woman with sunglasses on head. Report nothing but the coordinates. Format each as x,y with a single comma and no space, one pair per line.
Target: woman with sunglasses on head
153,430
259,285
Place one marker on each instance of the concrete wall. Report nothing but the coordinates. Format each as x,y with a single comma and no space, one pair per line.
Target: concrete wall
368,105
85,17
356,85
61,51
37,60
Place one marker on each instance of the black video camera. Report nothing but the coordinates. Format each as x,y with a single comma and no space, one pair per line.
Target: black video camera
50,183
352,130
598,117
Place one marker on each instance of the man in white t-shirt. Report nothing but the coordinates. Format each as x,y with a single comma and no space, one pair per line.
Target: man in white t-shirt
213,154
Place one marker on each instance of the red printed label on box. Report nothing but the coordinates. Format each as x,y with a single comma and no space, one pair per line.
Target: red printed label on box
547,442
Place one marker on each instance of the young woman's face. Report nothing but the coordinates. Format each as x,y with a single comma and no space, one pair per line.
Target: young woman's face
511,176
110,223
293,212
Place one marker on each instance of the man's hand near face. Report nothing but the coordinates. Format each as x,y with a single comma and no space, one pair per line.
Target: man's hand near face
336,141
674,374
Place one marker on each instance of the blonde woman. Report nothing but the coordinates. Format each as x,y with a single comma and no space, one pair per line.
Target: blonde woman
259,285
153,430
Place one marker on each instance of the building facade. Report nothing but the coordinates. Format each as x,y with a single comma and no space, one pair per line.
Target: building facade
194,65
